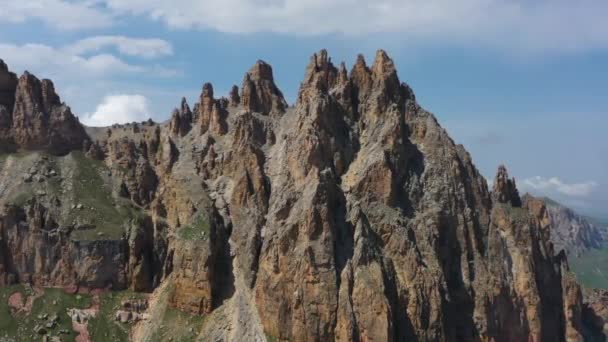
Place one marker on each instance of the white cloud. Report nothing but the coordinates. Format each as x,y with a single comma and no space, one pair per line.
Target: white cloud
147,48
61,14
76,60
555,25
547,186
43,57
118,109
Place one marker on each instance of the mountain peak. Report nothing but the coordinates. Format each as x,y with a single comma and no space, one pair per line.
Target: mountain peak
259,92
261,71
383,64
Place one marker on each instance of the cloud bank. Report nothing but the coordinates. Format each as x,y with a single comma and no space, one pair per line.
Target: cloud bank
60,14
548,186
87,57
513,25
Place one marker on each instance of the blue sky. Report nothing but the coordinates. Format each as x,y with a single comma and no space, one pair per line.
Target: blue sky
517,82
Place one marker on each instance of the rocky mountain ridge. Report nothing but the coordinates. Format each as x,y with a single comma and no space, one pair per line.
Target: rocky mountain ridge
351,215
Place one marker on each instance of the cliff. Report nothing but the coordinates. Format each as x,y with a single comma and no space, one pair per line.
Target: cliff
351,215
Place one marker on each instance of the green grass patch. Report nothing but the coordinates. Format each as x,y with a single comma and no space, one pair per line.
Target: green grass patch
270,338
197,230
20,325
8,324
591,268
104,327
20,154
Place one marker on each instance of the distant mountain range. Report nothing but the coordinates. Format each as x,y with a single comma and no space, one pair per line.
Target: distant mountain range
572,232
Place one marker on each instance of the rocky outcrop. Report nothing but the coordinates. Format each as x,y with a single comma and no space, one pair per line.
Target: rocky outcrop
32,116
41,121
259,93
505,190
198,264
38,251
211,112
234,97
139,180
8,86
181,119
595,314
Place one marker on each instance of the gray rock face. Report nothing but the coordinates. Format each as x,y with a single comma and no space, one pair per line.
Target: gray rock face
572,232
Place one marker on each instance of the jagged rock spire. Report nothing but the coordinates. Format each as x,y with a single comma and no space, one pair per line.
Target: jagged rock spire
361,76
181,119
205,107
386,89
211,112
505,190
259,92
320,76
383,67
234,97
323,78
342,74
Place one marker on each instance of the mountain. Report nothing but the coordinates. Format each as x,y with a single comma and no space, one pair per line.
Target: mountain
351,215
571,232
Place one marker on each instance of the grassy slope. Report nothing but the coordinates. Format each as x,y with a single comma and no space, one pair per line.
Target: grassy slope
591,268
54,301
100,209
